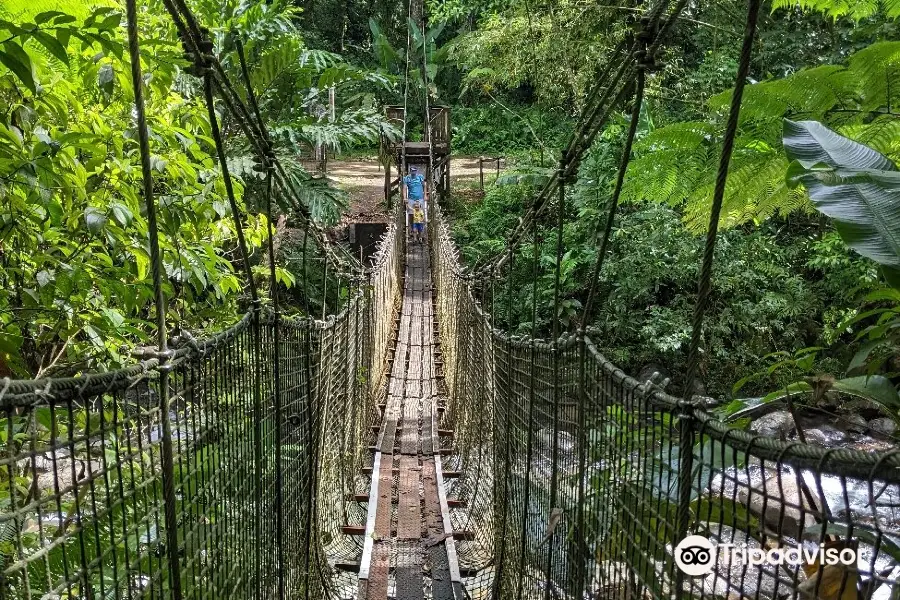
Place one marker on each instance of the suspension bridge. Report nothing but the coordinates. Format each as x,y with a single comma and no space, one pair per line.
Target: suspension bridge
406,447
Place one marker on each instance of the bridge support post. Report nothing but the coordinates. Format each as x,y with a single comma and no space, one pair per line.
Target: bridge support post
447,176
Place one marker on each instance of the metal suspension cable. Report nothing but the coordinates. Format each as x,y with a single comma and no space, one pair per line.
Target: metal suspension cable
229,188
543,198
643,66
163,354
704,285
269,169
428,132
686,418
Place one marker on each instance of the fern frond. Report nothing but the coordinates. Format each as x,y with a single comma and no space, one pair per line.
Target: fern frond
26,10
319,59
808,93
855,9
874,68
882,134
324,202
688,136
677,164
280,60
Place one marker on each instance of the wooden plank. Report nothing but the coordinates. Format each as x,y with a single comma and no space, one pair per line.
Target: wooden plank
382,529
380,532
441,579
366,559
408,573
409,515
410,421
377,583
448,528
409,437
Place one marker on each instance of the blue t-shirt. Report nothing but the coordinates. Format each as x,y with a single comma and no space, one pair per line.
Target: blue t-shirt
415,186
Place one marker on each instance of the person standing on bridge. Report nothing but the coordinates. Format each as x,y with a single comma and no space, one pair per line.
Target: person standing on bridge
414,192
418,223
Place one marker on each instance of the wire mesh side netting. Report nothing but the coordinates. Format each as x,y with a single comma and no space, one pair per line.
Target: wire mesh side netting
581,483
85,510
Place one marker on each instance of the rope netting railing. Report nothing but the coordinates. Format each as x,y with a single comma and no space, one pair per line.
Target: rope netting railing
84,516
582,482
218,468
617,462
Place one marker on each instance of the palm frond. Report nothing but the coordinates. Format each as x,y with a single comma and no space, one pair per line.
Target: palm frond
324,202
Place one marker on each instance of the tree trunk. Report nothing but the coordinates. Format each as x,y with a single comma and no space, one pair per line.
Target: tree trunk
417,12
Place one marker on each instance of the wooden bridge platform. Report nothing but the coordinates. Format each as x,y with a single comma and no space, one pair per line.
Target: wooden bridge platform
409,551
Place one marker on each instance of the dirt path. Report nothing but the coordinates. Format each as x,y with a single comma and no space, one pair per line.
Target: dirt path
363,179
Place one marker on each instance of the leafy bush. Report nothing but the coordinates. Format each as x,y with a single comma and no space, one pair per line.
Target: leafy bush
773,288
490,129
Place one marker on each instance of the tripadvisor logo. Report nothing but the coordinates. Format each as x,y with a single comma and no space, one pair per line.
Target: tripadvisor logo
695,555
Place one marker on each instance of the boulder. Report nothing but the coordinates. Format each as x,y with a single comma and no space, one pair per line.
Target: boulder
779,506
883,426
854,423
611,580
816,436
776,424
833,435
870,444
655,374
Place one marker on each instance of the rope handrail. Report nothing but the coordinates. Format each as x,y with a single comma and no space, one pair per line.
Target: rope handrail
851,462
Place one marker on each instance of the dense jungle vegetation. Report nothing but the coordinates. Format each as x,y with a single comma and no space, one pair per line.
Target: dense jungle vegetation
796,293
800,293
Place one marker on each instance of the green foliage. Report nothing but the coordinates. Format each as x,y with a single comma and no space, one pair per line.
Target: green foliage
769,290
423,58
551,49
759,297
293,85
677,163
856,9
75,285
853,185
495,129
75,272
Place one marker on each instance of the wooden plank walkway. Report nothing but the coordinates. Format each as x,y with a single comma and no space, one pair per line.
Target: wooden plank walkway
409,552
